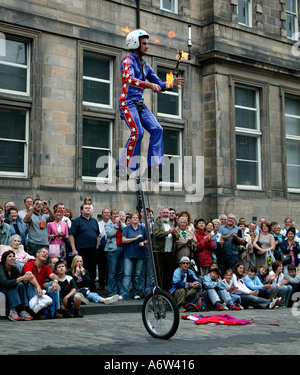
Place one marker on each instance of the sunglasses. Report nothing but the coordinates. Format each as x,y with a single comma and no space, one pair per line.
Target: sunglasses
185,262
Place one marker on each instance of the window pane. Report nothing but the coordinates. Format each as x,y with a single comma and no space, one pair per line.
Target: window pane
293,153
245,97
96,133
168,5
16,52
292,107
11,157
96,92
245,118
247,173
168,104
293,176
171,142
12,78
12,123
96,67
292,126
246,148
243,12
89,162
291,6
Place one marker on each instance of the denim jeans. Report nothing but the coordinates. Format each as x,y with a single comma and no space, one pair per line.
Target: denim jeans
146,276
218,295
115,260
17,296
132,270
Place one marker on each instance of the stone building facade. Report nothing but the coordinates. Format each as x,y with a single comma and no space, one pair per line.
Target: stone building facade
231,134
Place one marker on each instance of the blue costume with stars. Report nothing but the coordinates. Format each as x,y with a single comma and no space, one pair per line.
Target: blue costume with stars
137,116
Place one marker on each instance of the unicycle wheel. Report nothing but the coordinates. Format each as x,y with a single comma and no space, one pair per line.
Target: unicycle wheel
160,315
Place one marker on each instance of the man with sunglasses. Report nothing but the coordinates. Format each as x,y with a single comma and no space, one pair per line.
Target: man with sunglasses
184,282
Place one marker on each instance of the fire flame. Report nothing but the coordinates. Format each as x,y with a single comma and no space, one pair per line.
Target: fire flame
171,34
182,55
169,79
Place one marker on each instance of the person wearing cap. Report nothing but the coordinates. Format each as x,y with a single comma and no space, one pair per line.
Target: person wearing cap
184,282
136,76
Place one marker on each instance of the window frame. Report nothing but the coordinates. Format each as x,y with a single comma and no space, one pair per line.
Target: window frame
175,7
294,35
254,133
249,15
26,67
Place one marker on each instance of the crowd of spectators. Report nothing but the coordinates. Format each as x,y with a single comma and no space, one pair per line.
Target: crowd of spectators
76,259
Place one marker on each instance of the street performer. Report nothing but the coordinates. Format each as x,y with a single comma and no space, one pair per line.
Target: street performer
137,75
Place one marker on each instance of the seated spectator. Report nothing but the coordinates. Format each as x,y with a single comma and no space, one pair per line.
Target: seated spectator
184,282
253,283
37,226
82,280
186,244
21,255
134,238
293,277
17,226
205,246
58,233
214,291
41,271
68,293
289,249
230,288
263,274
5,229
12,286
285,290
250,297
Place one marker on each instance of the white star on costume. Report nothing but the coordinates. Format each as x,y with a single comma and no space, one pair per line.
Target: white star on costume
134,137
137,83
130,147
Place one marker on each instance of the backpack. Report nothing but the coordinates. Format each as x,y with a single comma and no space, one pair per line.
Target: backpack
195,302
49,311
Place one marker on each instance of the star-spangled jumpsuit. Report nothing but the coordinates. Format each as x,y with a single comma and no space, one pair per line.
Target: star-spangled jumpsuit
138,117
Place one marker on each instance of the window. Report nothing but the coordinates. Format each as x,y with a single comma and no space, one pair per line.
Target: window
168,102
97,143
248,134
245,12
291,9
13,141
172,169
97,80
292,129
14,67
169,5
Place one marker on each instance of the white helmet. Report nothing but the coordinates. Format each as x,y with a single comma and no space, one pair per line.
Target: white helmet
133,38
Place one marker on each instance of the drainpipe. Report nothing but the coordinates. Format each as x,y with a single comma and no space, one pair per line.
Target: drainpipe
137,14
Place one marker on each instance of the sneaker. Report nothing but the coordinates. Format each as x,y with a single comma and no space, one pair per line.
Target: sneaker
220,307
13,316
274,303
137,297
84,300
24,315
111,299
58,314
120,298
234,307
240,306
66,314
77,314
224,306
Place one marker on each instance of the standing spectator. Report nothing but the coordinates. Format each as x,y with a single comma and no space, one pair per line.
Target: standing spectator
245,250
279,237
101,254
84,238
223,219
5,229
186,244
290,250
28,202
17,226
58,233
134,238
231,239
172,216
37,226
205,246
164,237
263,243
114,253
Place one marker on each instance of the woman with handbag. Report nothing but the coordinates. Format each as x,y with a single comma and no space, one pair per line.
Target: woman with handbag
263,245
290,250
58,233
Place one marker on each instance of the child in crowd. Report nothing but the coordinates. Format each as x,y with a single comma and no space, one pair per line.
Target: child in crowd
230,288
293,277
215,290
67,291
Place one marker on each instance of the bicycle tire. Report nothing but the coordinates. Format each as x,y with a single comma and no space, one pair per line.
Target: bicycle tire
163,322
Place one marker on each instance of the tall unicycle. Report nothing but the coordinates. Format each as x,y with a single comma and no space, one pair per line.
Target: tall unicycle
159,312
